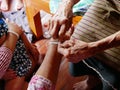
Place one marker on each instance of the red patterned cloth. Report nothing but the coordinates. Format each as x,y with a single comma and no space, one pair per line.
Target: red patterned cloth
5,59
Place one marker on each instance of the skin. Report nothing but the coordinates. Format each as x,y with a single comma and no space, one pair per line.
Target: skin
5,5
50,65
77,50
2,39
11,77
63,16
10,38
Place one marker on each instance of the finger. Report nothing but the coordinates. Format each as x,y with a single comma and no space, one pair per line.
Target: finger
62,20
63,27
54,31
70,32
51,24
62,30
6,20
63,51
11,72
47,24
52,21
67,44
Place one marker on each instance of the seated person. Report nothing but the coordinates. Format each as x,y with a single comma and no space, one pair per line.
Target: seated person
94,47
23,59
46,76
7,44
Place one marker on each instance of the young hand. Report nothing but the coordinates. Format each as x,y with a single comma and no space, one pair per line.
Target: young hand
14,27
10,74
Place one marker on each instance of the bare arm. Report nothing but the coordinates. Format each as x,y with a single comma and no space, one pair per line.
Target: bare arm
76,50
64,16
106,43
8,46
11,38
31,48
10,41
50,66
25,40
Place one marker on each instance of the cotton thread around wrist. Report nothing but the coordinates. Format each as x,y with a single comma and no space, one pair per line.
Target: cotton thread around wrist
54,42
16,34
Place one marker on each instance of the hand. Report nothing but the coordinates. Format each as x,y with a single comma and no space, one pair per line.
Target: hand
67,34
14,27
75,50
64,25
33,53
63,17
55,31
10,74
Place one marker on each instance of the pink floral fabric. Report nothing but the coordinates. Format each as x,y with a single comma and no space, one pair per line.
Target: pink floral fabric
40,83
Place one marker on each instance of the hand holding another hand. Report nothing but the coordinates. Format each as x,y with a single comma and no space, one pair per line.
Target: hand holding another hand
75,50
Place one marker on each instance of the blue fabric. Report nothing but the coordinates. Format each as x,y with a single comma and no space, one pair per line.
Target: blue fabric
3,27
109,74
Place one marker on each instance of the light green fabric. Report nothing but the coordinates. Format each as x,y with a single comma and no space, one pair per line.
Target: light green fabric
81,5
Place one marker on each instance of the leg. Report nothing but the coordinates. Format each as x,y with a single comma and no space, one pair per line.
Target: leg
15,84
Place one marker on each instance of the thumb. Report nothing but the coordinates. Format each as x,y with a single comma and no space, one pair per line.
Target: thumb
6,20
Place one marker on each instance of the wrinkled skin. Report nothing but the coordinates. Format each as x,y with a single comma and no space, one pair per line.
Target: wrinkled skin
75,50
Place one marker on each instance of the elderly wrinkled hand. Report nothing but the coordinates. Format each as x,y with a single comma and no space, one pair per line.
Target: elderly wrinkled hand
75,50
61,20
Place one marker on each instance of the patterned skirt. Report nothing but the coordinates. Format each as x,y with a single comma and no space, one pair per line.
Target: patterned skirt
21,62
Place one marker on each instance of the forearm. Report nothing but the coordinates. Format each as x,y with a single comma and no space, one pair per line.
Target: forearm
25,40
50,66
6,50
72,1
65,7
106,43
10,41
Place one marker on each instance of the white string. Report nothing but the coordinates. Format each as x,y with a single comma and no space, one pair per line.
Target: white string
16,34
109,84
54,42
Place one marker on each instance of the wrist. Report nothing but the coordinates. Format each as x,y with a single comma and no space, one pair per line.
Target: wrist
71,3
14,33
54,41
66,8
93,47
